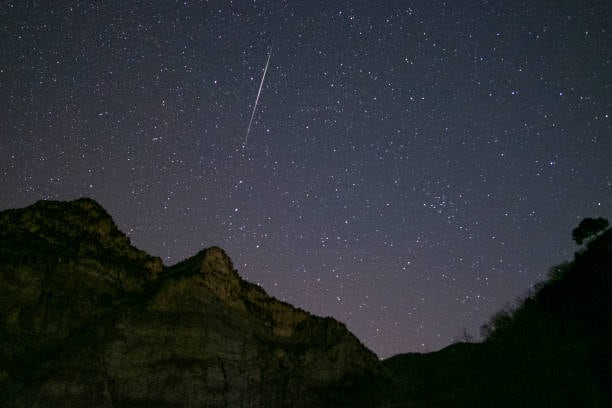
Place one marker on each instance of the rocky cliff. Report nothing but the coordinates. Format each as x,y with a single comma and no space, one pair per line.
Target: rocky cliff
86,319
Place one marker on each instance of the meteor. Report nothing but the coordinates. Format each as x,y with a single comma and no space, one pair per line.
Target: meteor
263,78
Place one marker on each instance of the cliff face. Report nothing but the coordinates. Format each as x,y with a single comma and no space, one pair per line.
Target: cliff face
88,320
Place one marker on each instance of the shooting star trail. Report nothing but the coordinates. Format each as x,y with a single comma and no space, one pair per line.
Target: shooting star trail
263,78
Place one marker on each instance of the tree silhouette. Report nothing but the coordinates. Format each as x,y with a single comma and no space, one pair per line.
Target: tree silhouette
589,227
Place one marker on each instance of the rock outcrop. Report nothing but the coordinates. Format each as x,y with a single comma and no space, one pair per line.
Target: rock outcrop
86,319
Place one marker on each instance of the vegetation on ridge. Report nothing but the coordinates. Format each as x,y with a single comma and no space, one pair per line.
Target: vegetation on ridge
552,350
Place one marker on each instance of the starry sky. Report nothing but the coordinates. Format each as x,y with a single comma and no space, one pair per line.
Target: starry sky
411,167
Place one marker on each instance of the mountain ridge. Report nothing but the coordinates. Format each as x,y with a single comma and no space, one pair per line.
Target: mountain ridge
100,322
87,319
551,349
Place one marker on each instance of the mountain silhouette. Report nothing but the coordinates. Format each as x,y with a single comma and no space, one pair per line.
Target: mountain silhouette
87,319
553,349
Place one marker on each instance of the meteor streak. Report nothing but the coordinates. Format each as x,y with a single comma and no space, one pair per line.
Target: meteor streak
263,78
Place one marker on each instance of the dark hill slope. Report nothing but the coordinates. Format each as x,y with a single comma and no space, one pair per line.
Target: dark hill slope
86,319
553,350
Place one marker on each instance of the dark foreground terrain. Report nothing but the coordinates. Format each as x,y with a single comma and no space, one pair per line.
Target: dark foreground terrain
553,349
86,319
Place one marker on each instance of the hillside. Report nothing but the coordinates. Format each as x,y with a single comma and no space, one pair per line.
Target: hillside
552,350
89,320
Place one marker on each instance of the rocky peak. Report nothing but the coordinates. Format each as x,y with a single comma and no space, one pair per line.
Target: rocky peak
216,261
48,218
77,232
86,319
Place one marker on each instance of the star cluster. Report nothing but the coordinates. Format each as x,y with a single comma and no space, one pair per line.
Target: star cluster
411,166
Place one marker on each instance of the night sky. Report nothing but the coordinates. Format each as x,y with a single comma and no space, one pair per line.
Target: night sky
412,166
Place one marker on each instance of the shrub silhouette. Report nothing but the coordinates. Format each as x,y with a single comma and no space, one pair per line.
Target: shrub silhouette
589,228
